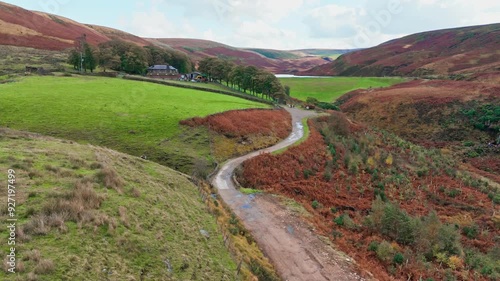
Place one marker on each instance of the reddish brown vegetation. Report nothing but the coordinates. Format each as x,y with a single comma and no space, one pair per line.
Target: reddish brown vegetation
54,33
490,164
116,34
430,113
240,123
49,32
465,51
435,92
427,111
39,42
200,49
309,172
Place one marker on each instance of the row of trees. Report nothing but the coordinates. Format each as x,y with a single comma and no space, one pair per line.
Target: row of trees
127,57
130,58
244,78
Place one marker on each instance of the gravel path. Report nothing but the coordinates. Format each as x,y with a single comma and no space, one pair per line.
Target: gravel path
296,251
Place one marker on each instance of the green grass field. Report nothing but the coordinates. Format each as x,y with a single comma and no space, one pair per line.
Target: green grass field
329,89
90,213
210,86
137,118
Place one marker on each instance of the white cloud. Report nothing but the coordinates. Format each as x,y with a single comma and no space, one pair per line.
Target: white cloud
253,34
277,23
427,2
140,24
267,10
332,21
234,10
209,35
304,23
155,24
478,12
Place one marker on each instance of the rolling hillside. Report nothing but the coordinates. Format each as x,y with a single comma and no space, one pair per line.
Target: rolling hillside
137,118
23,28
273,60
464,53
400,210
327,54
91,213
460,116
331,54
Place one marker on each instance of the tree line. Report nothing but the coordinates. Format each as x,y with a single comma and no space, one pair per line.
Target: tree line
123,56
244,78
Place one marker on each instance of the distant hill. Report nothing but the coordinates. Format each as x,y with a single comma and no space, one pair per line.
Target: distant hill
464,53
331,54
23,28
327,54
276,61
276,54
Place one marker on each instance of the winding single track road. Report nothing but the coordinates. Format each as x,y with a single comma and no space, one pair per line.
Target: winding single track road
295,250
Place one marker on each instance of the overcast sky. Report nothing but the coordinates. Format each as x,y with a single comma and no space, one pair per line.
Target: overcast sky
278,24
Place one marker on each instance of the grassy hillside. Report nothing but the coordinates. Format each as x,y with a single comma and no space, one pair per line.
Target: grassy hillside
458,53
90,213
329,89
137,118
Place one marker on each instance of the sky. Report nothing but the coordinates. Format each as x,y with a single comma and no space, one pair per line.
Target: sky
275,24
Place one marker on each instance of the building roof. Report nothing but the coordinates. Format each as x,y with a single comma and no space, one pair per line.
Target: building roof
161,67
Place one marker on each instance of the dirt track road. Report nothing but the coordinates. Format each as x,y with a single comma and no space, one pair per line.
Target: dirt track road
296,251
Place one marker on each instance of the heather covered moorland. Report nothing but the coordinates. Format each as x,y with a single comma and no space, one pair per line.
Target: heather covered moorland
141,157
400,209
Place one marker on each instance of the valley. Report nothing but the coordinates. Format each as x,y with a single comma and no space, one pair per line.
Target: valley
160,153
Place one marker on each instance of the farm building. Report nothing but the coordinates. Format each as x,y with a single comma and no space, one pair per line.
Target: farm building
162,70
